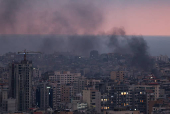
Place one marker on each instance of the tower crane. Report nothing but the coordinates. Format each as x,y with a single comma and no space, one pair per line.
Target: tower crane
28,52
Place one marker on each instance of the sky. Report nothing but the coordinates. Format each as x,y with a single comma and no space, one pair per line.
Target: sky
141,17
137,17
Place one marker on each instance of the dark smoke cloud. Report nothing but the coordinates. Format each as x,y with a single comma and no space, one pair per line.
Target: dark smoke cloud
51,44
82,45
134,45
76,44
118,42
139,49
38,17
8,13
71,17
89,17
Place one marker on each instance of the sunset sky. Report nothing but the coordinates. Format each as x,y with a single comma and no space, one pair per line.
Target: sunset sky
145,17
137,17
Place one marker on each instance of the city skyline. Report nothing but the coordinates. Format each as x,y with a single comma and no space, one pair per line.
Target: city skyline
84,57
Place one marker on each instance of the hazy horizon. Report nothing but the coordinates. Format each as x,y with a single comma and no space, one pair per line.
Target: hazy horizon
14,43
53,19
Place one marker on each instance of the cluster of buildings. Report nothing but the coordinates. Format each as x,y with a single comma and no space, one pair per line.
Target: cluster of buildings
100,84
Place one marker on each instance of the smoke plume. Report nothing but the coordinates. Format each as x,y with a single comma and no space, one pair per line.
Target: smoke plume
66,17
134,45
118,42
82,45
8,14
139,49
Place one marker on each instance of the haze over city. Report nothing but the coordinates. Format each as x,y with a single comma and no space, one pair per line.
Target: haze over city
146,18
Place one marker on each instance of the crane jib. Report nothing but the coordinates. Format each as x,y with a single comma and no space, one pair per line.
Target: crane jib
24,53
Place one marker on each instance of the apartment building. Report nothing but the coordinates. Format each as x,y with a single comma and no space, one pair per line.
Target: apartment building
117,75
44,96
93,98
62,78
21,84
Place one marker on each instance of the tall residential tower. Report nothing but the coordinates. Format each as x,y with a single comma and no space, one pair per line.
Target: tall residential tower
21,84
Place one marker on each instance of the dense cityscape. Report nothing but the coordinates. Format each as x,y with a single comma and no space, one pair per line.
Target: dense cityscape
84,57
64,83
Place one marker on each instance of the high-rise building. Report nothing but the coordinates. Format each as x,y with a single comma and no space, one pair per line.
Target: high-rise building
141,95
105,103
80,84
93,98
44,96
21,84
64,77
138,99
119,96
66,93
54,95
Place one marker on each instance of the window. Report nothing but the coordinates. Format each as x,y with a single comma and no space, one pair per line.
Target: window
124,93
93,103
121,93
105,99
105,108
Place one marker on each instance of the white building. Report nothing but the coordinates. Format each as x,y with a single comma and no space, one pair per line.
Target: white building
162,58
